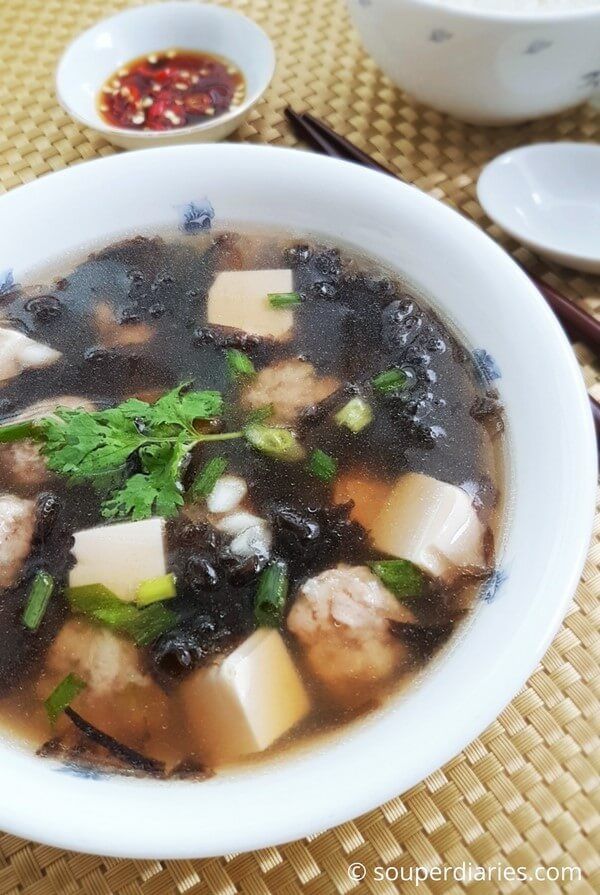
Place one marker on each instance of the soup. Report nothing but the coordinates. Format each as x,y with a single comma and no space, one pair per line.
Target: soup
249,488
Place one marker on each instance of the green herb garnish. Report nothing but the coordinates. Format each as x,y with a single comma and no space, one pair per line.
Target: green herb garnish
97,447
208,476
274,441
38,599
17,431
63,695
390,381
239,364
355,415
150,623
271,595
403,578
260,414
102,606
284,299
154,589
322,465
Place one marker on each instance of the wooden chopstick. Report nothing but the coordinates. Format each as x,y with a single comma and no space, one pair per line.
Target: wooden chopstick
577,323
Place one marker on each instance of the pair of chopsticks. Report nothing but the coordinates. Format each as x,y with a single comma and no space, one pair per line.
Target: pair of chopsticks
577,323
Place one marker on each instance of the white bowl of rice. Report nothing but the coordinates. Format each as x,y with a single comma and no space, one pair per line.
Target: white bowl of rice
486,61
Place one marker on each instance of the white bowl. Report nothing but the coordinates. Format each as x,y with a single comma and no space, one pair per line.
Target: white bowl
484,66
101,50
548,197
552,480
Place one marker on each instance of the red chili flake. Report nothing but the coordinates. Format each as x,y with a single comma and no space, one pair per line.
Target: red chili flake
169,90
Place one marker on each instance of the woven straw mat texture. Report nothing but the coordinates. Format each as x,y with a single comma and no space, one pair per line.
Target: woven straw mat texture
526,791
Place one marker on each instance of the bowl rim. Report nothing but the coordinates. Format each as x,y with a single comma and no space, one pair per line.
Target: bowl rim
529,17
507,224
332,802
103,127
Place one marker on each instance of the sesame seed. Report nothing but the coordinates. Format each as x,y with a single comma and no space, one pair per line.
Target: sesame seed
180,86
152,58
138,118
195,79
172,117
147,102
122,72
210,111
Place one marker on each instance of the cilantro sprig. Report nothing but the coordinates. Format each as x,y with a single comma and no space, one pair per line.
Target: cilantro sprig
135,454
151,441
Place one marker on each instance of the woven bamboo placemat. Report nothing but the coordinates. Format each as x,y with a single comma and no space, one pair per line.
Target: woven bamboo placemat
526,792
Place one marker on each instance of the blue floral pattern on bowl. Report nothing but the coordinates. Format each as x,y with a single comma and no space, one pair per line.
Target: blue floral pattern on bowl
538,46
7,281
485,366
490,589
197,216
83,771
440,35
592,79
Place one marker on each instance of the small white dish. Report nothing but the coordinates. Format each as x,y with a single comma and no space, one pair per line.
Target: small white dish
101,50
548,197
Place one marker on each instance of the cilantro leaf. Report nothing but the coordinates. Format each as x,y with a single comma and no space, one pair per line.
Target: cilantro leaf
84,445
180,407
96,446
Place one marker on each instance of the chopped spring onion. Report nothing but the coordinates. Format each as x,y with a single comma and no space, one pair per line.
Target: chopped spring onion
322,465
274,441
17,431
101,604
239,364
155,589
355,415
390,381
283,299
104,607
271,595
150,623
63,695
38,599
403,578
208,476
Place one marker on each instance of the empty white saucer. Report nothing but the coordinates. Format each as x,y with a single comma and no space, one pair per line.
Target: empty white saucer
548,197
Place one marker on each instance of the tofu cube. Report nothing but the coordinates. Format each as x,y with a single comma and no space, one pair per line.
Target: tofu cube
119,556
238,298
432,524
244,702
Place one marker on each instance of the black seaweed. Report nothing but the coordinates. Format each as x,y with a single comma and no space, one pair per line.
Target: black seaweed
118,750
